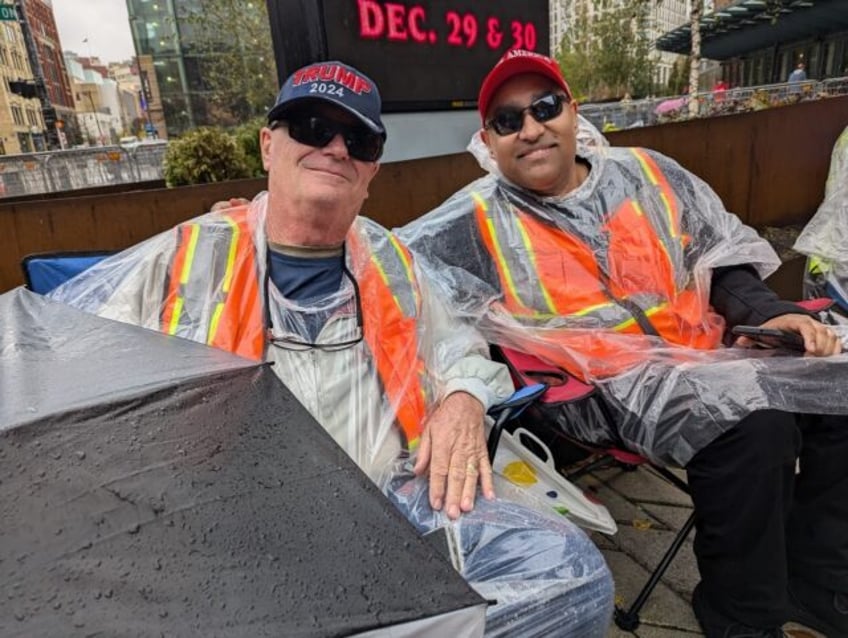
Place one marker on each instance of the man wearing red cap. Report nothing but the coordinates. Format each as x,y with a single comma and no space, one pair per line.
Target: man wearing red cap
625,269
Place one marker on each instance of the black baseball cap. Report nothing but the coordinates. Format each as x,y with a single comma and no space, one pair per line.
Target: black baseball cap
335,83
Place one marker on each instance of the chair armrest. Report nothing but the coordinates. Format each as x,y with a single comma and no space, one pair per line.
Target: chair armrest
510,409
816,305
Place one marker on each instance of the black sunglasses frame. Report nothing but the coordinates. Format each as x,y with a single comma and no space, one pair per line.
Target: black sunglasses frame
510,120
318,130
290,343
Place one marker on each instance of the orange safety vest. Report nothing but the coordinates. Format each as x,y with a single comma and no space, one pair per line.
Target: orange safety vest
213,296
636,294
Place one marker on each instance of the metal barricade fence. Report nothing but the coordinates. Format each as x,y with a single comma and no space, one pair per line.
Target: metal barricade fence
649,111
57,171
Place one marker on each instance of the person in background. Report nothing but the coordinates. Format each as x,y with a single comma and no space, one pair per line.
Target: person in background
798,74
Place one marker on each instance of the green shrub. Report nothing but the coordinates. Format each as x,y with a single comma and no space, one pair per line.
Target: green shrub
205,155
247,136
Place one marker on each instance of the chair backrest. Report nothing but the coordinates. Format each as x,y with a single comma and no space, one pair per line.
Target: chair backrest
567,404
44,271
527,369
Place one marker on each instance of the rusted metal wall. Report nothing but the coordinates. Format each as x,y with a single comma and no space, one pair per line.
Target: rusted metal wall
100,222
768,167
110,221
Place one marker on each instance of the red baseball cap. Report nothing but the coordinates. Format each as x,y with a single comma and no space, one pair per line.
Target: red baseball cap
518,62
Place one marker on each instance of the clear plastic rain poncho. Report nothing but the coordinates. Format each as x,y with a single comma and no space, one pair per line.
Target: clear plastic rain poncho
825,238
578,280
539,567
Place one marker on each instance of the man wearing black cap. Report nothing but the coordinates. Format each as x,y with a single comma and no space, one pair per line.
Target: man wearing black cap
621,267
332,299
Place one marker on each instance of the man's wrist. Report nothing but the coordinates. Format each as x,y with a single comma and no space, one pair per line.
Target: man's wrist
474,388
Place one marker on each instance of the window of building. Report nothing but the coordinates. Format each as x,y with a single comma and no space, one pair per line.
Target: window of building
757,71
813,57
828,58
17,115
842,67
25,142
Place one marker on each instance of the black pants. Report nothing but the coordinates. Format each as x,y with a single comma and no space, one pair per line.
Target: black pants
757,522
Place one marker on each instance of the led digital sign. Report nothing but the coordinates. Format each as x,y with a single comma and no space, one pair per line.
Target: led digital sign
423,55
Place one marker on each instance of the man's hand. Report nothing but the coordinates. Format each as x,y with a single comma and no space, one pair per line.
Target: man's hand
453,446
230,203
819,340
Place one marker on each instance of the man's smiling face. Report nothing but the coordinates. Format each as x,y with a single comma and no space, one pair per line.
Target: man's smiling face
541,156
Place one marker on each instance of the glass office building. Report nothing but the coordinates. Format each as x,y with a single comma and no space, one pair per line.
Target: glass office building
184,57
760,42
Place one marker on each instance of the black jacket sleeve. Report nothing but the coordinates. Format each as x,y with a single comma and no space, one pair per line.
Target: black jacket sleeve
740,296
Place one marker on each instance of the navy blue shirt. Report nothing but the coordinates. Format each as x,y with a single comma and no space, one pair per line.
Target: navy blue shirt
304,277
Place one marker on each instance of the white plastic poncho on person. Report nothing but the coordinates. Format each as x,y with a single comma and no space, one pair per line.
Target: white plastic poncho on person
612,282
825,238
369,362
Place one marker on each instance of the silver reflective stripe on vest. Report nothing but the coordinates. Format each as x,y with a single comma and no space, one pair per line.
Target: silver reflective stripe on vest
204,280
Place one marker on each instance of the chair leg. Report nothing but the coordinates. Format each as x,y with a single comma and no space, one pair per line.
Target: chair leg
628,619
602,461
671,477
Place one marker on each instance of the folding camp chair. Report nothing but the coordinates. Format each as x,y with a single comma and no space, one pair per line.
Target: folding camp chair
527,463
568,399
44,271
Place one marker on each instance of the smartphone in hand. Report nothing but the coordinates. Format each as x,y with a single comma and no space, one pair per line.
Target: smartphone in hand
771,337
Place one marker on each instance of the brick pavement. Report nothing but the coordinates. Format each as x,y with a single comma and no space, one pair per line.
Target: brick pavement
649,511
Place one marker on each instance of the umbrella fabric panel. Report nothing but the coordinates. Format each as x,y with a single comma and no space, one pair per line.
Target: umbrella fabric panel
217,507
54,358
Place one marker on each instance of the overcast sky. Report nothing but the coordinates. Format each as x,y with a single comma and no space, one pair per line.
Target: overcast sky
103,22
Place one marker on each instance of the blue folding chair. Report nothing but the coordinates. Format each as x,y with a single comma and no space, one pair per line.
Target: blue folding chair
44,271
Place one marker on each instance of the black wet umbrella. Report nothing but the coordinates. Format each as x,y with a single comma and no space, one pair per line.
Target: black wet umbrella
153,486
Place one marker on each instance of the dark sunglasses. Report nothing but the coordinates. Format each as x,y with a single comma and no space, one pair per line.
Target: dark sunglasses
509,119
318,131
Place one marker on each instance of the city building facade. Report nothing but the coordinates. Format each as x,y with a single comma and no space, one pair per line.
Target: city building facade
558,23
662,16
761,43
156,33
50,63
154,113
213,65
96,100
21,122
125,75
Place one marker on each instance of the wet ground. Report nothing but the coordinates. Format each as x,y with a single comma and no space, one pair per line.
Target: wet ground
649,512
